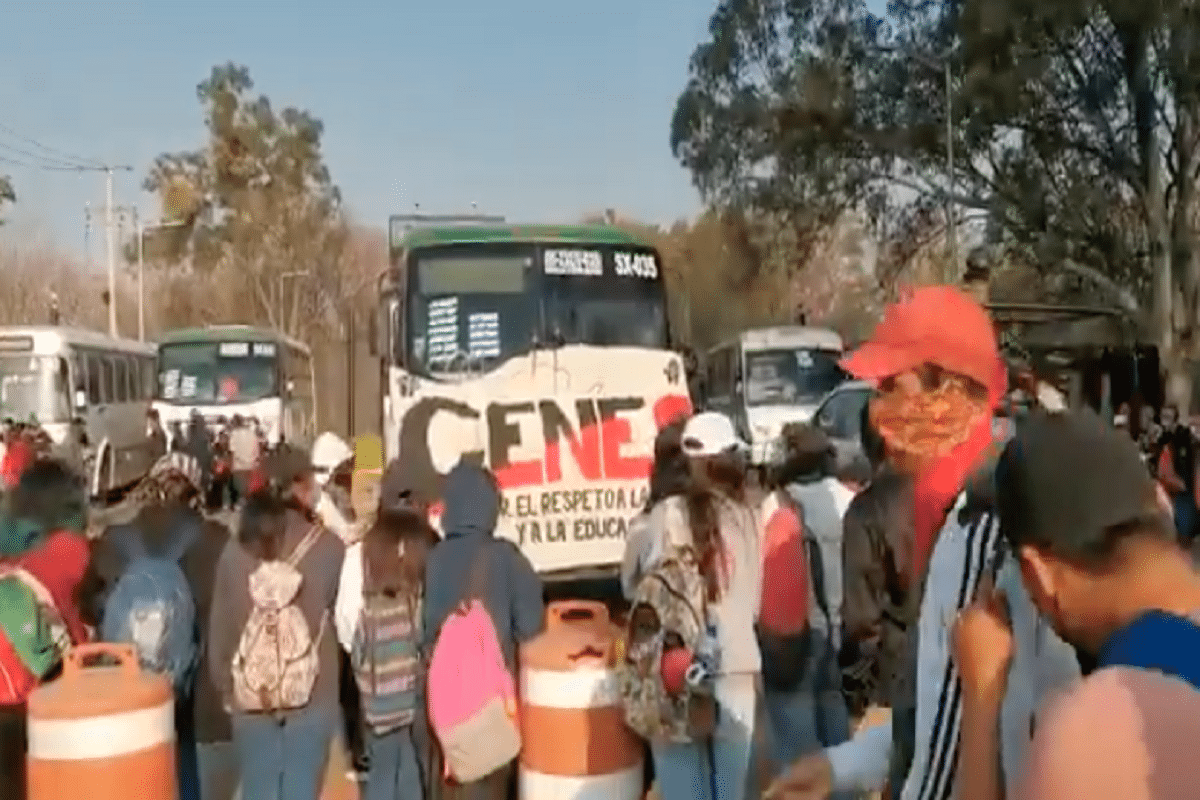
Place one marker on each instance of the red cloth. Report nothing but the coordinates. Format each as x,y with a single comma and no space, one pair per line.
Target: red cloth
258,481
785,574
18,457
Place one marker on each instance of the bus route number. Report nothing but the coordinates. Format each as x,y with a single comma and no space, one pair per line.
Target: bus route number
636,265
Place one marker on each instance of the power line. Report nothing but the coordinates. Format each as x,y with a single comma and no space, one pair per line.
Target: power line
54,153
44,160
46,167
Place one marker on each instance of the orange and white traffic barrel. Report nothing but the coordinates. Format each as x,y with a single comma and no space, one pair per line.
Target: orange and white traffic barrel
574,742
340,782
105,731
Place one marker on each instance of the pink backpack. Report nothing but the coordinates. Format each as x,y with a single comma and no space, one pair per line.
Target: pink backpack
472,695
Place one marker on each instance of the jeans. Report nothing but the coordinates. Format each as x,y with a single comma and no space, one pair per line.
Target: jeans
285,761
396,771
12,752
218,767
187,768
1184,506
811,716
720,768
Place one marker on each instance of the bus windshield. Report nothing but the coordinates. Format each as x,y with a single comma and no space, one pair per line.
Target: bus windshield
616,299
473,306
217,373
470,308
34,388
790,376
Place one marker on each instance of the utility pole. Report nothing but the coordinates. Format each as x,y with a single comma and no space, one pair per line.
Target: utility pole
111,241
140,227
110,225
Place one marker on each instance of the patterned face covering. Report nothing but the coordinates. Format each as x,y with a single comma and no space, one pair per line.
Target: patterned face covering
925,413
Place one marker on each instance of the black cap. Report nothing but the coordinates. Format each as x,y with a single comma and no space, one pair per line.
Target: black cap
1066,478
287,464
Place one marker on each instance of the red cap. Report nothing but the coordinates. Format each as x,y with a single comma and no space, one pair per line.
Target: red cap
940,325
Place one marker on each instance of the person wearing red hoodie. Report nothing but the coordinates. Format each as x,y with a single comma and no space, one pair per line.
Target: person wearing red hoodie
41,533
939,377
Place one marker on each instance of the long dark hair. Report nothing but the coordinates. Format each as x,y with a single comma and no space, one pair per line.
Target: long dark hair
50,495
396,549
669,474
714,478
263,524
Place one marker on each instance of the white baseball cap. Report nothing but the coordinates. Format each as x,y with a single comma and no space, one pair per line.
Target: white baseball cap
709,434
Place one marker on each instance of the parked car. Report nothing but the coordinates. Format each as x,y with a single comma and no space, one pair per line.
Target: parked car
839,415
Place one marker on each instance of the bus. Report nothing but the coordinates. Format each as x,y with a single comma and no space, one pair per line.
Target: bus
543,352
767,377
72,382
226,370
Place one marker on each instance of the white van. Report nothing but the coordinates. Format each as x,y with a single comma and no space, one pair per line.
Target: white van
54,376
767,377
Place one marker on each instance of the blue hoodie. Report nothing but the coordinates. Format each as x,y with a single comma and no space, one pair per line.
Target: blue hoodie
514,591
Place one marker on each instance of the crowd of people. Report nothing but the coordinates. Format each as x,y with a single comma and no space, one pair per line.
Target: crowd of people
971,611
1169,447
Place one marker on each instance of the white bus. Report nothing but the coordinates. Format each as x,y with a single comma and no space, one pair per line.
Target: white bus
225,370
767,377
542,351
55,376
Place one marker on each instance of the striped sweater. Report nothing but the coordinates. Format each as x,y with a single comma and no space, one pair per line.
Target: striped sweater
387,661
964,552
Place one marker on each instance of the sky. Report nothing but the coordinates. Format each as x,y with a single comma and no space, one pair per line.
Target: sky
539,110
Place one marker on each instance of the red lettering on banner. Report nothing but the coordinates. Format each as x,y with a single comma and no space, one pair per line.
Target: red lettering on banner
505,435
616,431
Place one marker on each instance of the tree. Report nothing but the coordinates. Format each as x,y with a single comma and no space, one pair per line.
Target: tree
1075,128
255,206
7,194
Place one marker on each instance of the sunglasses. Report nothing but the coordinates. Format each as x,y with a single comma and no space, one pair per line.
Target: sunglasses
926,377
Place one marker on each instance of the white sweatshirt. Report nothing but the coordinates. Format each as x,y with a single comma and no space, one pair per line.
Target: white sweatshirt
825,503
347,608
1042,664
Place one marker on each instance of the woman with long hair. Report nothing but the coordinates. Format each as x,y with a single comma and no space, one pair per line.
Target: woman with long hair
714,520
378,614
283,752
669,477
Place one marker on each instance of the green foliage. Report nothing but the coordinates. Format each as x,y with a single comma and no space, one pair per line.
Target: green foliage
256,199
1076,127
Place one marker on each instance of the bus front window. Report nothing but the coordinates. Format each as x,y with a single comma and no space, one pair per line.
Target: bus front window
469,310
34,388
605,298
218,373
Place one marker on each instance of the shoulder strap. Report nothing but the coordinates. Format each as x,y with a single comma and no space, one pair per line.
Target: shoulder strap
304,545
812,549
1158,641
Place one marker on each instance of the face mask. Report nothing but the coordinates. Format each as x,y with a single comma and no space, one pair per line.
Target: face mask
925,425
